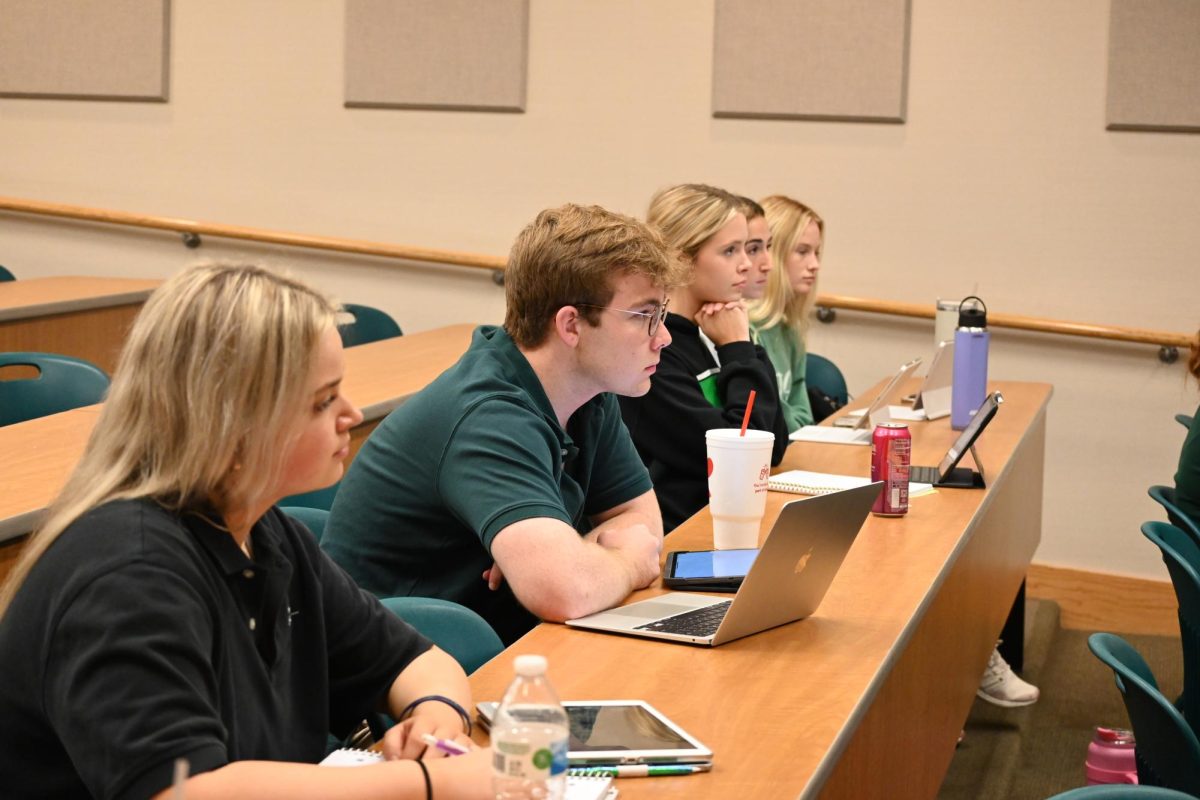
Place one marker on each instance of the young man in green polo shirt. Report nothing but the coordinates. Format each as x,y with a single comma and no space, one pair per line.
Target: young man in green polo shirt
510,484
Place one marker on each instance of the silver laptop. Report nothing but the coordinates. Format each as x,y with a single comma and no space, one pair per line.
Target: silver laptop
857,428
934,395
786,582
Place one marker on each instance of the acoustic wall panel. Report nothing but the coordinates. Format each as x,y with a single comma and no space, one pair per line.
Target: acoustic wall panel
811,59
1154,65
85,49
438,54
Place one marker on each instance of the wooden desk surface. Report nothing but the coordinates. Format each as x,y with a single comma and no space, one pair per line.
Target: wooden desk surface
39,297
76,316
866,697
39,454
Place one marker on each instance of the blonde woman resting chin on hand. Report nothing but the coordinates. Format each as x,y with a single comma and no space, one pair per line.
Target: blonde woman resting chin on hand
167,610
705,376
780,317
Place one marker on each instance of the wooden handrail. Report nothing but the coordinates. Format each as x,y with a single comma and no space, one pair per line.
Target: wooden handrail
998,320
496,264
356,246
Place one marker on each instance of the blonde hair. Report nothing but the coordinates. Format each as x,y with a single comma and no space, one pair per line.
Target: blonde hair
203,399
788,219
570,255
689,214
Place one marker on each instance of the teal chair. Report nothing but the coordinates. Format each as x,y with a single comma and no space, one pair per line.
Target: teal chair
1165,497
823,374
1121,791
369,325
1167,752
1181,554
62,383
456,629
1184,420
321,498
5,275
313,518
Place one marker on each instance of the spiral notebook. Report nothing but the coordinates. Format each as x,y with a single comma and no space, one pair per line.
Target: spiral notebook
801,481
579,787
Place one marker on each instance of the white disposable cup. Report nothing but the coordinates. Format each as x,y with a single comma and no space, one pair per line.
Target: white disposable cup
738,470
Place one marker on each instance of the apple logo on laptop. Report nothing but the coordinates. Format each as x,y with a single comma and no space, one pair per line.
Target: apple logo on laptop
802,562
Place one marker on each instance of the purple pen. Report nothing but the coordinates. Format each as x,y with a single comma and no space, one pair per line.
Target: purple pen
445,745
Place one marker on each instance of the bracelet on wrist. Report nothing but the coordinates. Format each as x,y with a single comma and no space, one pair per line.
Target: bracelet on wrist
462,712
428,782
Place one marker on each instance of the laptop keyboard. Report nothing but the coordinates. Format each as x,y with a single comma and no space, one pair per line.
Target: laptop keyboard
701,622
923,475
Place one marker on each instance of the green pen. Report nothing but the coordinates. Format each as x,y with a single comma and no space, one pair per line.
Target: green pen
639,770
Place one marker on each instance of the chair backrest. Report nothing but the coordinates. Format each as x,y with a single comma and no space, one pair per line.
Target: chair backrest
822,373
1165,497
1121,791
62,383
1182,557
313,518
5,275
369,325
321,498
1168,753
1184,420
456,629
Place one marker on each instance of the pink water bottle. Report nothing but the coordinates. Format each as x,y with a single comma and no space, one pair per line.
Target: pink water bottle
1110,757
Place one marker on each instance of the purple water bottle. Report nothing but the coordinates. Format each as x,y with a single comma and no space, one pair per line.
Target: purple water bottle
970,362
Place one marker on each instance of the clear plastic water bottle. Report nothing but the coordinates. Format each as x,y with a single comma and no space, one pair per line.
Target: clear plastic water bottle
529,737
969,385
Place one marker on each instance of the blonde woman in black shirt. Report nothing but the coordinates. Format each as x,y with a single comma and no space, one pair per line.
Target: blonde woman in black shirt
167,610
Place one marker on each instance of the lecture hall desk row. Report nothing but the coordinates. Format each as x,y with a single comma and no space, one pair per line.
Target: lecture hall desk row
76,316
865,699
39,454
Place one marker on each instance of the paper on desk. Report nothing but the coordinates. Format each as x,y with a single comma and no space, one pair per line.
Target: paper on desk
799,481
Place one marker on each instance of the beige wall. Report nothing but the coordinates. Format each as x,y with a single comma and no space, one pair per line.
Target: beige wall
1003,181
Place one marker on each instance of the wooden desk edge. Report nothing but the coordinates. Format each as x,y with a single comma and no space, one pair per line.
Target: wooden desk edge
77,304
829,761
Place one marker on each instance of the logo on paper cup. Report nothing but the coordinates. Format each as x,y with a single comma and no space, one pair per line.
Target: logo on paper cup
764,472
710,468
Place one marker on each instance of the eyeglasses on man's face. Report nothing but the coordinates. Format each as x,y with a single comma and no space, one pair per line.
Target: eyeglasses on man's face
654,318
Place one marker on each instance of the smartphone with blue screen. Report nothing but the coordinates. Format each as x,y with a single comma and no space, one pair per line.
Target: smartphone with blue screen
707,570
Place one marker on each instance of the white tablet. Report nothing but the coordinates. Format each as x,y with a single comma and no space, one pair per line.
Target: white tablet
621,732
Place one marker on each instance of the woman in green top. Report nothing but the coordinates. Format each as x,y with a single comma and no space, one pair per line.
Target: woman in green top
1187,478
779,320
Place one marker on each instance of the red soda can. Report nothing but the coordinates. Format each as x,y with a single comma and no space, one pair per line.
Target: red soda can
891,457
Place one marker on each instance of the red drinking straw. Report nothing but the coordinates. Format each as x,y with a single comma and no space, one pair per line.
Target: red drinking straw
749,408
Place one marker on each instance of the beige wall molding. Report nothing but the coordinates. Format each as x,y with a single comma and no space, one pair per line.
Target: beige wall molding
1100,601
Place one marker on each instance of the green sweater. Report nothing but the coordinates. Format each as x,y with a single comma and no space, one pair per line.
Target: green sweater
787,353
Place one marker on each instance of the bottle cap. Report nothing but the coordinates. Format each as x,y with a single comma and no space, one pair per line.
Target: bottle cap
530,666
969,317
1115,736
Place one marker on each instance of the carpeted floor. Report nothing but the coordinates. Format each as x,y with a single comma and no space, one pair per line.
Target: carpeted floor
1038,751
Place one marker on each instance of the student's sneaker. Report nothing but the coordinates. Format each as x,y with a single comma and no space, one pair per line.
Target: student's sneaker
1002,687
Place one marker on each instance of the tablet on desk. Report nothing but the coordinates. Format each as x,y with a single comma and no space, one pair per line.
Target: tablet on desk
708,570
621,732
